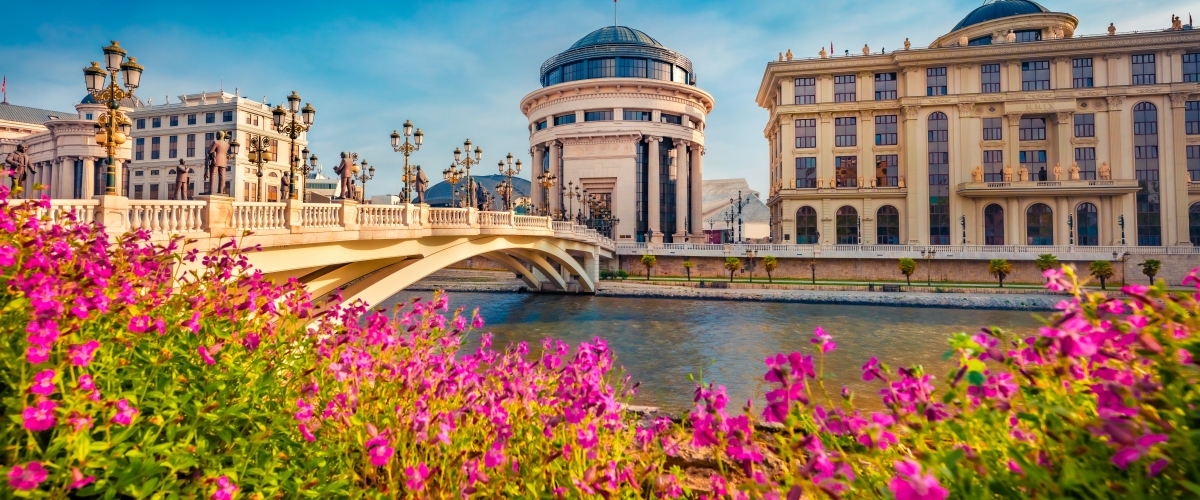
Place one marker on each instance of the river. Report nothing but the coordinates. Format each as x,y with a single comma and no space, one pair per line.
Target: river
660,341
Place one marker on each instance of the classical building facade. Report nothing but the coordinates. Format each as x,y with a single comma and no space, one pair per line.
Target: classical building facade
620,115
1011,129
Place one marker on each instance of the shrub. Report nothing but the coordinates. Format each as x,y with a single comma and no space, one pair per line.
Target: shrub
649,261
606,274
732,264
622,274
769,264
1046,261
1102,270
1150,268
999,268
907,268
687,266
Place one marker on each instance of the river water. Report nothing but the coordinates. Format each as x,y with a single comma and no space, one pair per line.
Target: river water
660,341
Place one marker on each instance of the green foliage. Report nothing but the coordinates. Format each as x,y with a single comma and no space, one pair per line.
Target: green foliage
1150,268
1046,261
687,266
907,268
769,264
649,261
999,268
732,264
1103,271
622,274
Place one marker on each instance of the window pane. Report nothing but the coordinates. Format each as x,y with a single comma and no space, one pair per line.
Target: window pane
845,130
1143,69
1145,161
1033,129
939,179
1081,73
847,171
989,78
993,129
806,91
935,81
806,133
1035,75
1085,125
1085,159
885,86
887,170
885,130
806,173
993,166
844,88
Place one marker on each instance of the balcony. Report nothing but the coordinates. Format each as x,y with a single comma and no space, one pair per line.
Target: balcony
1047,188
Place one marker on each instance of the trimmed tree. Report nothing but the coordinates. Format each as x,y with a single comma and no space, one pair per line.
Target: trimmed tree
813,264
769,264
1102,270
1046,262
907,268
687,266
649,261
732,264
1150,268
1000,268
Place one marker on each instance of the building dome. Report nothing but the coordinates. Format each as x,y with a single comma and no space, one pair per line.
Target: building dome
617,52
1000,9
128,102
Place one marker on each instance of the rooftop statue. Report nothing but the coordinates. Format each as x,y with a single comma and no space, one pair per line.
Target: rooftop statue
907,44
866,50
1112,29
788,55
822,53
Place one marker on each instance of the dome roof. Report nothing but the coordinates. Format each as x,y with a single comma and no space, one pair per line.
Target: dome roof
615,34
1000,9
128,102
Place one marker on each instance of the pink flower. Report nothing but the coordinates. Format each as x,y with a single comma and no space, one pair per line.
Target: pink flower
43,383
194,323
8,255
28,477
1056,280
206,356
78,480
308,435
1130,454
822,340
81,354
1157,467
380,455
477,320
40,417
80,422
139,324
587,437
37,354
86,383
125,413
416,477
870,371
225,489
909,484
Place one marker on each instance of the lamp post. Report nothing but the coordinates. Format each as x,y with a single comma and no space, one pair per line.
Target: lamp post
509,172
750,254
363,176
1121,221
308,165
112,126
453,175
258,150
465,162
285,123
409,177
962,220
1071,229
547,180
928,254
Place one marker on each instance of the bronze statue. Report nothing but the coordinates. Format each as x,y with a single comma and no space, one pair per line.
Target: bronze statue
422,184
285,186
345,171
19,167
181,180
215,161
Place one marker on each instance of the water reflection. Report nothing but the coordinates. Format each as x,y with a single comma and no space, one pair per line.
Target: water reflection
661,341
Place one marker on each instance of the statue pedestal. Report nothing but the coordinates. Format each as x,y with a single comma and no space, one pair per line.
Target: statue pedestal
349,214
113,212
218,215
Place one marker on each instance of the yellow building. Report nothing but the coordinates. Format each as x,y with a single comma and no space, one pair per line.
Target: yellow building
1011,129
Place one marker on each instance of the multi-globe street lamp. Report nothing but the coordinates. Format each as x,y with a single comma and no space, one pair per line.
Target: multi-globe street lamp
508,172
112,126
258,151
308,165
409,177
285,122
453,175
466,162
547,181
363,175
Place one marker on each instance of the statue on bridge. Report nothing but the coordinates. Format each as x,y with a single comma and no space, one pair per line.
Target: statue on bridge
285,187
18,163
181,180
215,161
345,171
422,184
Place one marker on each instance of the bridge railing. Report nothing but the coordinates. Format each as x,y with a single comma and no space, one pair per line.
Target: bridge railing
61,210
972,252
495,219
167,216
258,216
441,218
386,216
321,215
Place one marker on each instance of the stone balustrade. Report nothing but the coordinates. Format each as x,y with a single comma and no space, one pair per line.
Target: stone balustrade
62,210
321,215
969,252
258,216
166,216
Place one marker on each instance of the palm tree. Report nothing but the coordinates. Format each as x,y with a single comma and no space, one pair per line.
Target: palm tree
813,264
687,266
649,261
1000,268
732,264
1150,268
1102,270
769,264
907,268
1046,262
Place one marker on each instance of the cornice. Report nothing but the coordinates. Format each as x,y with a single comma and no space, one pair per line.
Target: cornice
1048,48
641,95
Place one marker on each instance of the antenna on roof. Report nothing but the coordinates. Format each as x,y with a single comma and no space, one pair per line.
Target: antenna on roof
989,2
614,13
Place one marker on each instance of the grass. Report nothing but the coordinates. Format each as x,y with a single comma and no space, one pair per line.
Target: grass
828,282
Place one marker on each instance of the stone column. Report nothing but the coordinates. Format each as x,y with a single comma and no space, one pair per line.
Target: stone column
535,190
826,169
787,135
556,169
1012,143
697,195
1065,130
89,177
653,198
912,158
1121,169
866,141
1173,165
1012,222
681,190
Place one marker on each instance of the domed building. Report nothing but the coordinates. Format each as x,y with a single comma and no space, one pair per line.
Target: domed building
620,116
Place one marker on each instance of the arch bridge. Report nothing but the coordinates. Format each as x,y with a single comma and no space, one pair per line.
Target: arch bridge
369,252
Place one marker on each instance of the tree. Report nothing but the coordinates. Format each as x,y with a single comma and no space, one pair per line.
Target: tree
813,264
1046,262
1000,268
769,264
687,266
907,268
732,264
649,261
1102,270
1150,268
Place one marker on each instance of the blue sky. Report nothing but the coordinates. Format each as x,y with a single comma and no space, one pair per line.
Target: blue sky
458,69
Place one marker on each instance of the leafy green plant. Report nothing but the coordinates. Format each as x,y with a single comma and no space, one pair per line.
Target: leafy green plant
622,274
1103,271
1045,262
732,264
907,268
999,268
649,261
687,267
1150,268
769,264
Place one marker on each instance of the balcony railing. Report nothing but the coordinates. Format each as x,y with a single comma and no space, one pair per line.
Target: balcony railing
1020,252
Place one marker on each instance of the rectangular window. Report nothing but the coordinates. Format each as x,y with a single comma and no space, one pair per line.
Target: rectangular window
845,88
173,147
806,173
631,68
156,122
139,173
1085,158
175,121
1081,73
602,68
1085,125
660,70
154,146
192,119
989,78
806,91
993,166
598,116
139,149
1035,75
806,133
540,125
1143,69
1028,35
672,119
137,191
885,130
1033,129
679,75
993,129
847,171
887,170
640,116
845,131
210,118
983,40
935,81
209,139
564,119
885,86
141,123
154,172
1193,163
154,191
249,120
554,77
227,116
1191,117
1035,161
1191,67
191,145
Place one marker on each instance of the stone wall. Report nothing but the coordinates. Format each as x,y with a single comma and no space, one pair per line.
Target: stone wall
1174,267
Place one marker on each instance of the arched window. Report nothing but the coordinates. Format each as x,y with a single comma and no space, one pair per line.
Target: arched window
993,225
1194,224
1087,224
1039,225
887,226
939,179
1145,164
806,226
847,226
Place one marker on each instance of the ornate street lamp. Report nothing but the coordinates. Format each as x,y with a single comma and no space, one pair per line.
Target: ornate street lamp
928,254
258,151
453,175
547,180
364,175
409,177
508,172
285,122
112,126
465,162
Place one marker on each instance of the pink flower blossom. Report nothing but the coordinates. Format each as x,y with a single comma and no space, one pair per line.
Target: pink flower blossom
823,340
37,354
125,413
206,354
81,354
43,383
40,417
308,435
380,455
1130,454
80,422
139,324
86,383
587,437
28,477
416,477
194,323
78,480
909,484
225,489
1157,467
1056,280
8,255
